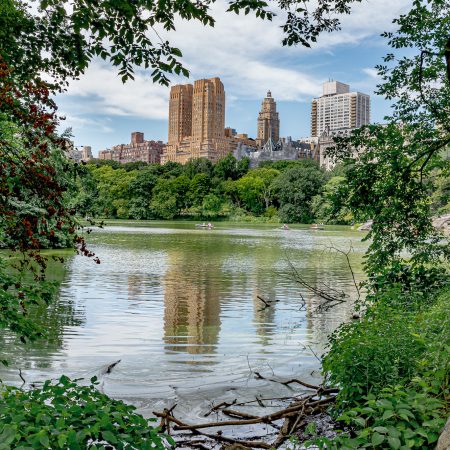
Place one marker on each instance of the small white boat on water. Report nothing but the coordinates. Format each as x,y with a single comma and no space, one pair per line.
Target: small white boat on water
208,226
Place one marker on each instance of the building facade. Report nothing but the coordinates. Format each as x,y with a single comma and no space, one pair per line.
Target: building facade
77,155
268,121
137,150
339,109
86,153
284,150
197,122
326,142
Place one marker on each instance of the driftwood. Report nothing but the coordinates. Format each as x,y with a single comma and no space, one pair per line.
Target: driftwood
111,366
218,437
21,376
287,383
267,303
294,418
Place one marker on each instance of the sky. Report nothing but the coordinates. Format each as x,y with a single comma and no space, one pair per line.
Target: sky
246,54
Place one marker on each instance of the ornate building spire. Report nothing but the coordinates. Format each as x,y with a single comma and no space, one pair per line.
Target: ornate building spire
268,121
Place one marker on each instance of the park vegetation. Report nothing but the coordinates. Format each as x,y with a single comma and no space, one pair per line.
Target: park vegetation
286,191
283,191
391,367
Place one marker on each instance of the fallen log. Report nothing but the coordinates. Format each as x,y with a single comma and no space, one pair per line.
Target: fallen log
295,417
217,437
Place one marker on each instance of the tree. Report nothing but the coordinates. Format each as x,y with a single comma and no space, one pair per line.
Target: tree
329,205
114,189
171,169
198,188
141,189
197,166
164,204
229,168
268,177
211,205
250,190
62,41
296,188
399,164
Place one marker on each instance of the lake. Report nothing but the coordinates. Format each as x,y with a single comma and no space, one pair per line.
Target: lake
180,308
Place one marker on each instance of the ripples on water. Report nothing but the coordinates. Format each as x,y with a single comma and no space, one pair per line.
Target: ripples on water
179,307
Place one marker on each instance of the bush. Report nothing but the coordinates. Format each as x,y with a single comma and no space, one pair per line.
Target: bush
396,341
396,419
65,415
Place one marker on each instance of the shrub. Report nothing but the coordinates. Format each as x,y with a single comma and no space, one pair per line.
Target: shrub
396,419
65,415
394,343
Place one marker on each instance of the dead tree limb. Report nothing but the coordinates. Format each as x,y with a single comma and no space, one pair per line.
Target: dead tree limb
21,377
346,255
217,437
294,418
288,382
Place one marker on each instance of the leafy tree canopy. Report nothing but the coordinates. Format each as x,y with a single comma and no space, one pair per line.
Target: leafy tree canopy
61,37
397,165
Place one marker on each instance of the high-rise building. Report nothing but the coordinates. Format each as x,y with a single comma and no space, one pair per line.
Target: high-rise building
339,109
268,121
180,113
197,122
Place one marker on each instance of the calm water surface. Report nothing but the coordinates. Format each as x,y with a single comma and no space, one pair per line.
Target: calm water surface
179,307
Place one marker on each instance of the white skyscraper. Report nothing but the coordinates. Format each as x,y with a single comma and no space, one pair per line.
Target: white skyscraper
339,109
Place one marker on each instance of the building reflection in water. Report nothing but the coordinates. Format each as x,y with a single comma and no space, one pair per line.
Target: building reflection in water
191,304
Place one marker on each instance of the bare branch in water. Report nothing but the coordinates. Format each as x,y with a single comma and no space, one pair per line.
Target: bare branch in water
346,255
331,296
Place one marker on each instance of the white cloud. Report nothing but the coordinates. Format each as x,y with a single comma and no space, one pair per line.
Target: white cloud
373,73
244,51
103,92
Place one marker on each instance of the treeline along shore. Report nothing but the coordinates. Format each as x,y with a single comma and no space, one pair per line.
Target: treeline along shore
282,191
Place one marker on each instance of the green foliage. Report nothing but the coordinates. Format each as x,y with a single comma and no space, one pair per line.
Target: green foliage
114,190
199,186
28,215
250,190
229,168
17,296
296,188
141,189
440,195
197,166
398,165
64,414
198,189
383,186
395,419
399,339
62,41
328,206
392,367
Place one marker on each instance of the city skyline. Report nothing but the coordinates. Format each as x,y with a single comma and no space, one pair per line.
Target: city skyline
102,111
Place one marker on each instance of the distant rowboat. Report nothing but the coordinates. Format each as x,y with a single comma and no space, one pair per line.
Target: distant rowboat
316,226
204,225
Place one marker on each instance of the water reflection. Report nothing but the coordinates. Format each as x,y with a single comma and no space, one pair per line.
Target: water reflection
173,302
54,320
191,304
